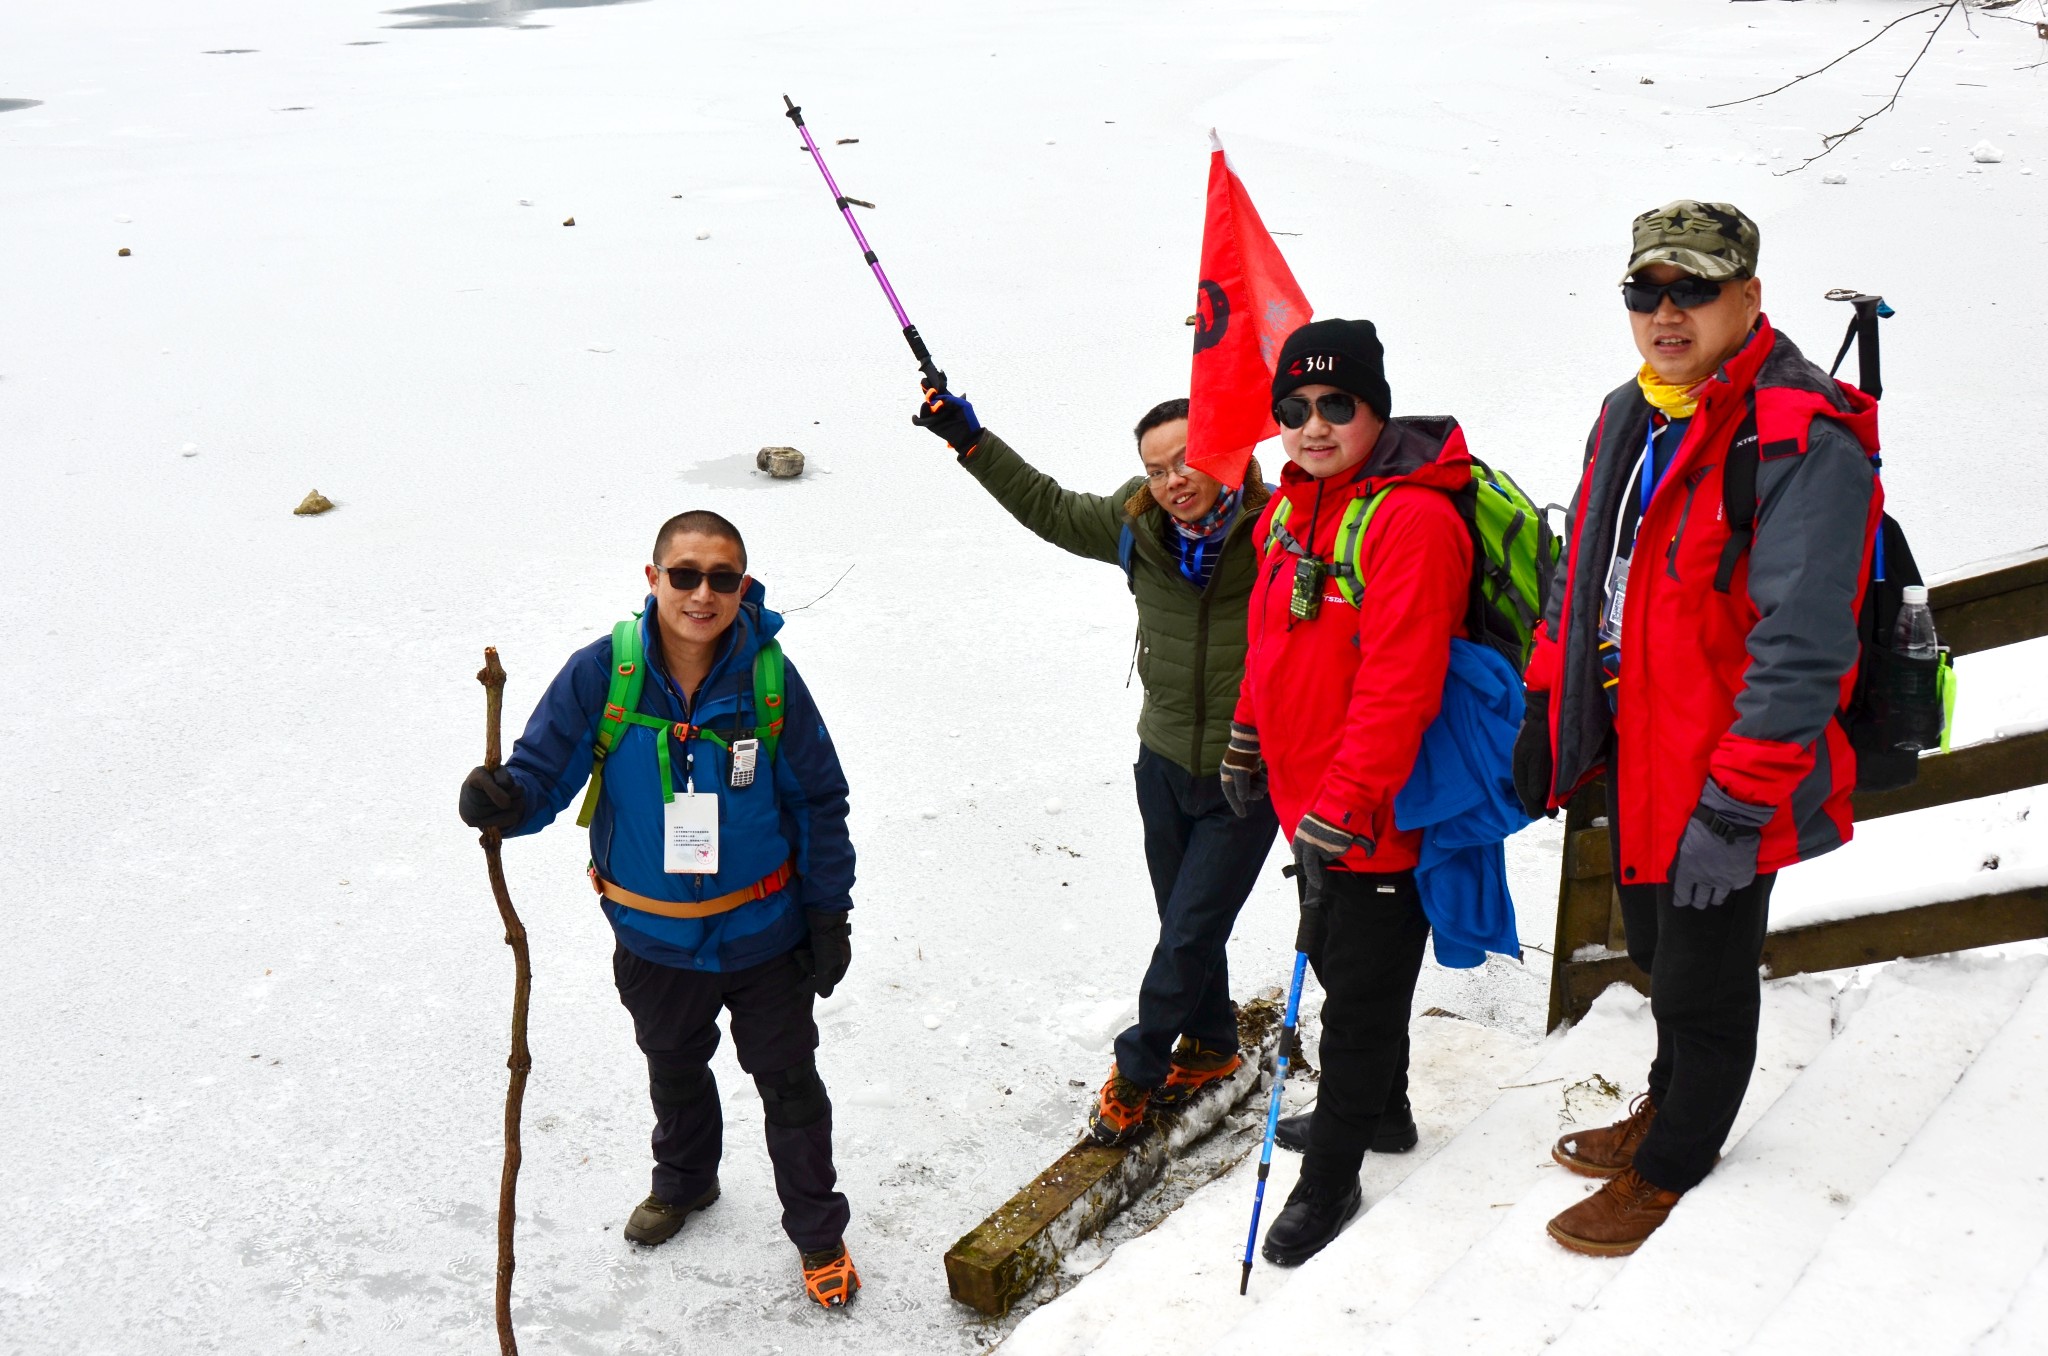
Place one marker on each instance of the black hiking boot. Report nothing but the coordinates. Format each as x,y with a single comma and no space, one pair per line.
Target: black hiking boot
655,1221
1316,1212
1396,1133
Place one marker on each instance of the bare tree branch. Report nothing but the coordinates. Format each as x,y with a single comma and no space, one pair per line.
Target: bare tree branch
1838,60
1833,140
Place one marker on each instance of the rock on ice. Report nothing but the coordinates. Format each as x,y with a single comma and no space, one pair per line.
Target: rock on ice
931,1021
1834,178
1984,153
1054,805
189,450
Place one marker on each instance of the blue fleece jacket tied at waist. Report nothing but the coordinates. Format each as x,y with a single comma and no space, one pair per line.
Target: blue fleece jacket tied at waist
1462,796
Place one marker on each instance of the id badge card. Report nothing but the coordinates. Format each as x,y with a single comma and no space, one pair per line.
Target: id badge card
689,835
1617,594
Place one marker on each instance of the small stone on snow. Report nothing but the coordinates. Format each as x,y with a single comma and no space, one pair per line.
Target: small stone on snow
703,235
931,1022
1984,153
928,812
1054,805
314,502
189,450
1834,178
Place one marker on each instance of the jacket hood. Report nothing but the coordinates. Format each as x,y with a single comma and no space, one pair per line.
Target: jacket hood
1427,450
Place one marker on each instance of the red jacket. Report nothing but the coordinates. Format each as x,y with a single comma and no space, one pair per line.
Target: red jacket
1742,686
1341,701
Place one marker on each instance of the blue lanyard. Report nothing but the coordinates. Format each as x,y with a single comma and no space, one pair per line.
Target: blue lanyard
1648,479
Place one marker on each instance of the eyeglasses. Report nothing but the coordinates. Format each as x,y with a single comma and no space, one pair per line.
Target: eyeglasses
1686,293
684,579
1336,408
1158,474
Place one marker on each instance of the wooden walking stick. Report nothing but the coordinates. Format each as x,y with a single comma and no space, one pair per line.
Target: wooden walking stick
492,676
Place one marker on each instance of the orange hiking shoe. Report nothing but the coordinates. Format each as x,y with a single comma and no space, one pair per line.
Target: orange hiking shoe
1610,1149
1615,1220
1119,1111
829,1277
1195,1066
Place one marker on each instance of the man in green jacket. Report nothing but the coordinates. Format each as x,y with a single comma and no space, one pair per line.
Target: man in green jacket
1184,542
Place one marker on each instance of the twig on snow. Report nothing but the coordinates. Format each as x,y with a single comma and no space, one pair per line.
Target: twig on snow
821,597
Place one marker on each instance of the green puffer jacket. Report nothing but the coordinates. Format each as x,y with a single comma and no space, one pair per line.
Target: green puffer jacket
1191,642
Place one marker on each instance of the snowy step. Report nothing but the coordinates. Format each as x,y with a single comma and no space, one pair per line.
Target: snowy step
1399,1247
1963,1214
2023,1329
1734,1248
1516,1289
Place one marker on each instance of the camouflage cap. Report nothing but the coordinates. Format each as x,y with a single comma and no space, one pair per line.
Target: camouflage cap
1711,240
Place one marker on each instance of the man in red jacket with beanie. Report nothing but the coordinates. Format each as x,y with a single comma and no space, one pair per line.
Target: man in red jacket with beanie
1699,659
1364,580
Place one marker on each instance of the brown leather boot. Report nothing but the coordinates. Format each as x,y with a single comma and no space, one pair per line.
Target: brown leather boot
1614,1221
1611,1148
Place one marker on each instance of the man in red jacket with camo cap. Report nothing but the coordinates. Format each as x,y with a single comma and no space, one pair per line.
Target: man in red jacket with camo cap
1342,676
1699,646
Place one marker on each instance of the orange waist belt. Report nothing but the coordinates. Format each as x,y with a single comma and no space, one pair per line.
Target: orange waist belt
703,908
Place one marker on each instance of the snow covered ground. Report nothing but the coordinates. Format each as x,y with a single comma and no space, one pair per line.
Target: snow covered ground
256,994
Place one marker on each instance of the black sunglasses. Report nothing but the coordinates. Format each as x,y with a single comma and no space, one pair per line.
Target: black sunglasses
684,579
1685,293
1336,408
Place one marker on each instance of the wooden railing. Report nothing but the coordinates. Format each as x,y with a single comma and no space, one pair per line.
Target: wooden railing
1997,602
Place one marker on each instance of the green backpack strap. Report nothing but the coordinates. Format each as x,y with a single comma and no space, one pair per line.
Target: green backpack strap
1348,569
770,688
629,672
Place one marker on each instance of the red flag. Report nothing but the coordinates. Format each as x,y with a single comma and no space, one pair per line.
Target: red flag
1246,306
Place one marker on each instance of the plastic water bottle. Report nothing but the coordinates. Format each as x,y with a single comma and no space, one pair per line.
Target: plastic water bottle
1914,636
1915,672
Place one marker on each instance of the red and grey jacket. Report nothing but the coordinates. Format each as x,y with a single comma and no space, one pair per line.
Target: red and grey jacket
1341,701
1743,686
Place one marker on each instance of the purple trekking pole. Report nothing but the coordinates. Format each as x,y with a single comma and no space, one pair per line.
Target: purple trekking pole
933,377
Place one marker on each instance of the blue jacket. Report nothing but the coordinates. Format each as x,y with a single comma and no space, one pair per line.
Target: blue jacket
798,814
1462,796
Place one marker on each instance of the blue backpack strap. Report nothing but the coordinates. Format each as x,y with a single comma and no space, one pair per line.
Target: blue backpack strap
1126,555
629,673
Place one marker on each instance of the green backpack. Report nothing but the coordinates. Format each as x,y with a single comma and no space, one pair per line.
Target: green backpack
1514,551
622,708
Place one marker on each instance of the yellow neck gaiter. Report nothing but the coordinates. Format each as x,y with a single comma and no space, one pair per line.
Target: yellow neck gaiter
1673,402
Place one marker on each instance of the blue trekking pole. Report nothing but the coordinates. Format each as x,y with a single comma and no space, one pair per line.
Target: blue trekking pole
1287,1025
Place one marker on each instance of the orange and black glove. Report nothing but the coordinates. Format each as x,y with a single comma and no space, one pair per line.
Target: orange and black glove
951,418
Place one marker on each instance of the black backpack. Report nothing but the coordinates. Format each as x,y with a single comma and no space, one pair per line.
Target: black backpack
1895,708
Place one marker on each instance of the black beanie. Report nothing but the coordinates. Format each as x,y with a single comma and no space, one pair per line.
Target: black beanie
1345,354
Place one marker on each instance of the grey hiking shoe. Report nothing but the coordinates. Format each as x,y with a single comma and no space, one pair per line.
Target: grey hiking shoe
655,1221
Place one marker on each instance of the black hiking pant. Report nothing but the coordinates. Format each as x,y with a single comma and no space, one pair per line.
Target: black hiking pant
1371,956
675,1021
1706,997
1204,862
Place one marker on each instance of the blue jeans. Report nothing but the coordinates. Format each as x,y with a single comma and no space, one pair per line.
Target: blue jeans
1204,861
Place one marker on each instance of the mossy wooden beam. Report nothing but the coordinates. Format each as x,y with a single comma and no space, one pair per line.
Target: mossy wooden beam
999,1261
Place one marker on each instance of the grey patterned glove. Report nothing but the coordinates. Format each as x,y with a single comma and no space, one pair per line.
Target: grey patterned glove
1244,773
1718,853
1317,843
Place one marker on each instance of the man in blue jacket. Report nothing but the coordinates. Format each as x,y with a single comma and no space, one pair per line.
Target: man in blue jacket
719,849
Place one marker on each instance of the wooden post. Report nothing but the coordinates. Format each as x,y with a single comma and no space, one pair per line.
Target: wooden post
1000,1260
1588,914
492,676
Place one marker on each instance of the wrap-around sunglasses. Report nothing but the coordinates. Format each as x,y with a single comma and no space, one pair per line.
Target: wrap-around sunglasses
1336,408
1685,293
684,579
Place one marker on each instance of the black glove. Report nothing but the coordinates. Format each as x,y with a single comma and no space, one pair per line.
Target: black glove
951,417
1313,927
1317,843
830,950
1244,772
491,799
1718,853
1533,768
